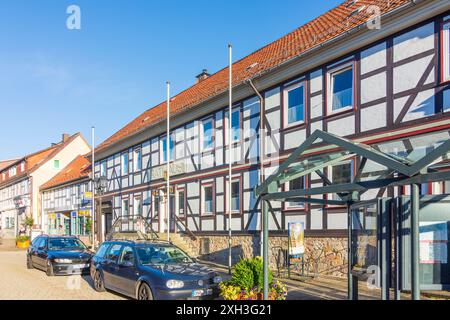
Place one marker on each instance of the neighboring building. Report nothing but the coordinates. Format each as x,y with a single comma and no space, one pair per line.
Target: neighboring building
20,181
335,74
67,200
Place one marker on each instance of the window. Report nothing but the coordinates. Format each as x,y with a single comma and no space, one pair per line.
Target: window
208,134
207,195
341,173
56,164
181,206
103,168
236,196
125,163
137,160
113,252
446,51
163,149
127,256
341,89
296,184
294,102
235,125
137,206
102,250
13,171
22,166
125,207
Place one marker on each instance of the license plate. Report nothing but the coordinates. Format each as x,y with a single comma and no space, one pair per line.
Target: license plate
80,266
199,293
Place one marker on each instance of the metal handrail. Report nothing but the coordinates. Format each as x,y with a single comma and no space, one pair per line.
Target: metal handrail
132,221
186,229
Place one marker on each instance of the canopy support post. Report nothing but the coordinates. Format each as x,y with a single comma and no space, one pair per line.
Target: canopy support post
415,206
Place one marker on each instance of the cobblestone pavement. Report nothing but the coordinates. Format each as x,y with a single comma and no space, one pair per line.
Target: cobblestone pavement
19,283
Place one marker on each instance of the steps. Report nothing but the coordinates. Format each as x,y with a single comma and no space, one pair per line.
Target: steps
180,241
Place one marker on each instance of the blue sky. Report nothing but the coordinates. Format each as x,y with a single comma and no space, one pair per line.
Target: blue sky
55,80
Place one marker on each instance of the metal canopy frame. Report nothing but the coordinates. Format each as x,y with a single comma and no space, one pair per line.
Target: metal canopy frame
400,171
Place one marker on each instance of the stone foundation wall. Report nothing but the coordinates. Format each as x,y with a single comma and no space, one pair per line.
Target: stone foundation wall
323,256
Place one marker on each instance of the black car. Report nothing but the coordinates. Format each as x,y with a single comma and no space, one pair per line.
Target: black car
151,270
59,255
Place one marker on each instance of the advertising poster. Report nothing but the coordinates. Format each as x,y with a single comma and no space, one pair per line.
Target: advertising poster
433,242
296,233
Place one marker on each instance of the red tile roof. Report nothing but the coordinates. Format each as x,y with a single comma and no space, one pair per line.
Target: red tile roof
329,25
78,169
6,163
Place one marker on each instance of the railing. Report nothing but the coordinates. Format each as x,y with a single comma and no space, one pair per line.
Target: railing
132,224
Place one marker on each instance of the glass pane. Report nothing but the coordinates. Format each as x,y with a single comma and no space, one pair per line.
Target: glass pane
208,199
207,134
235,196
342,89
181,202
296,184
235,124
295,105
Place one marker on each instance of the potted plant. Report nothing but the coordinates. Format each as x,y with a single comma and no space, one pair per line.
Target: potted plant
247,283
23,242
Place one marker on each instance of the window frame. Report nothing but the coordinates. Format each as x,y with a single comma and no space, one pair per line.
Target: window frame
162,150
181,190
202,135
352,162
122,167
137,153
287,205
236,108
445,49
286,90
237,178
123,206
103,168
56,161
350,65
135,199
202,197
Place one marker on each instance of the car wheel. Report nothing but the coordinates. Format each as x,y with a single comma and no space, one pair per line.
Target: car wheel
29,262
144,292
49,270
99,285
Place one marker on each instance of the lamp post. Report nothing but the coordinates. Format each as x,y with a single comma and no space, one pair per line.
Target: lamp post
100,186
17,203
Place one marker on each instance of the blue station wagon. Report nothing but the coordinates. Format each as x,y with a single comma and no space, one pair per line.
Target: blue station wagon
151,270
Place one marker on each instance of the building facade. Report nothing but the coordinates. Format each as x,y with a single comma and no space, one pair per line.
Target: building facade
67,200
338,74
21,180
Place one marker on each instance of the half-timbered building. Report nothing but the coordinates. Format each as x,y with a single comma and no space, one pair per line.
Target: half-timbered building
373,71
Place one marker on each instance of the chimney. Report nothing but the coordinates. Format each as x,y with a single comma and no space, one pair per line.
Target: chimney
65,137
202,76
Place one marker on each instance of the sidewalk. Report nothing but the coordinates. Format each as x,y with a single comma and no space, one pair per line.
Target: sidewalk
8,245
327,288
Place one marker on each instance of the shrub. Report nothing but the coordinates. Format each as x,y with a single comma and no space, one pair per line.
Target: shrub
249,273
22,238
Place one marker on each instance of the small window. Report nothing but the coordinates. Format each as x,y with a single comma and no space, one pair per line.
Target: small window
208,134
137,206
137,160
341,89
103,168
22,166
113,252
127,256
163,148
296,184
125,207
125,163
181,204
56,164
207,195
339,174
236,196
294,101
446,51
102,250
235,125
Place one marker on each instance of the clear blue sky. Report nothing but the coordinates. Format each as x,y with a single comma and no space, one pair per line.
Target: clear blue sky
55,80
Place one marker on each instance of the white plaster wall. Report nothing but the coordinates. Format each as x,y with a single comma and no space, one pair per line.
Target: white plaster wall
342,127
337,221
407,76
294,139
373,88
316,219
373,58
414,42
316,104
422,106
316,81
290,219
272,99
373,117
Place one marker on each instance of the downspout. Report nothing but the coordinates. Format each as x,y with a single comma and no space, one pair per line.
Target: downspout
262,140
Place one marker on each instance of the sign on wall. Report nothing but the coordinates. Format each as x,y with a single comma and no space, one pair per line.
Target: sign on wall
296,234
175,168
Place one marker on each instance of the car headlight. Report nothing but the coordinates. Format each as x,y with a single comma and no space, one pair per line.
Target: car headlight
217,279
63,261
175,284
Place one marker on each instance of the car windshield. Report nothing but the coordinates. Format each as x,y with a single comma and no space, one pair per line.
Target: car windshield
65,244
162,254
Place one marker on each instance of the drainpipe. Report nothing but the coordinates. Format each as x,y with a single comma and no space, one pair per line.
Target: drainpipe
262,139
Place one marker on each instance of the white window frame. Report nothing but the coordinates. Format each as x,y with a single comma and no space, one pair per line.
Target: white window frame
445,34
122,167
330,81
329,175
287,203
233,110
123,206
181,190
233,180
136,152
103,168
286,91
162,149
207,185
135,206
202,135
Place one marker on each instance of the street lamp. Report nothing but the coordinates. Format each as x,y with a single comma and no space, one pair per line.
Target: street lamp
100,186
18,203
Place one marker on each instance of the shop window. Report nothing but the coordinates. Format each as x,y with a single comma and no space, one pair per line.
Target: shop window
294,104
341,89
296,184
